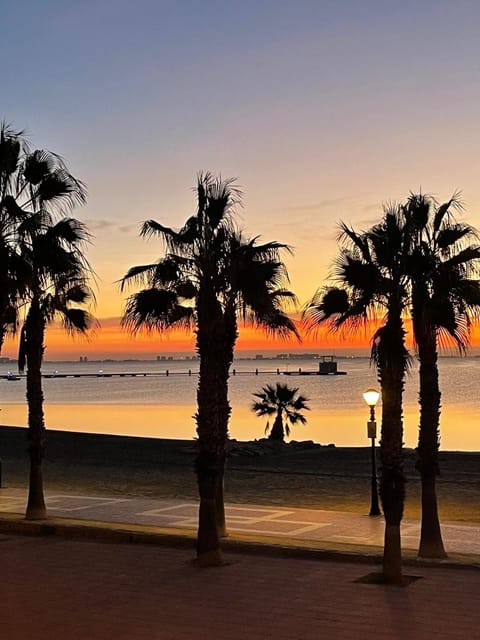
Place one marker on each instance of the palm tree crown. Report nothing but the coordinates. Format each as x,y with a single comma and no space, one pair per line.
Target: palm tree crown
208,252
58,274
35,188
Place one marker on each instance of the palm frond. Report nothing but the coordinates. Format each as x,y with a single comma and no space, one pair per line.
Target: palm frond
443,211
452,234
79,293
13,210
357,240
77,320
326,303
418,208
38,165
155,310
139,275
34,223
152,228
12,146
468,255
62,190
70,231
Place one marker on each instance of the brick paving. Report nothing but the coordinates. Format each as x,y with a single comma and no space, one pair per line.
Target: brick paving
57,589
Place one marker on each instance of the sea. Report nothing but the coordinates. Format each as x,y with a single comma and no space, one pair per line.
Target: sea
116,397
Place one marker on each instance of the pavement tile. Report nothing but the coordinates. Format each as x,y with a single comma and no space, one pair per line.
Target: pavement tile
305,526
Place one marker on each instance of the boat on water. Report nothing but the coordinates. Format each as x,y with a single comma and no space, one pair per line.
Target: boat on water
11,376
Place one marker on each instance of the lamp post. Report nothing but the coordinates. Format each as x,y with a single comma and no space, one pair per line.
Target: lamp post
371,398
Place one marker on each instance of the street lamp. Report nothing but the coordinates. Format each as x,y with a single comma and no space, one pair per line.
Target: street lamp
371,398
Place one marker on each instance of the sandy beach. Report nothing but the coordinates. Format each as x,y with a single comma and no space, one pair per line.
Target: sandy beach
319,477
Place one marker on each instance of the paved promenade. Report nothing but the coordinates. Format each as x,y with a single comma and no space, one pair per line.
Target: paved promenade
53,588
56,587
323,529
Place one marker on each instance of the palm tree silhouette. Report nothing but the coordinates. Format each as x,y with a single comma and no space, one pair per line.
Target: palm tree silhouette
285,404
209,277
372,286
54,281
443,269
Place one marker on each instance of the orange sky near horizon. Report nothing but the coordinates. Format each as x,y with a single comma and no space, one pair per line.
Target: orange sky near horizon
111,341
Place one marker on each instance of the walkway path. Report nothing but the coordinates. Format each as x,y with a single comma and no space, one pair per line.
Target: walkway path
53,588
301,525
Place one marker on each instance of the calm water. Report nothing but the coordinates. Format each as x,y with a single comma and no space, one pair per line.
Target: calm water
163,406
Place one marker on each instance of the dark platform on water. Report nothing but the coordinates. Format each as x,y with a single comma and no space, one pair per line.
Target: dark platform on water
326,367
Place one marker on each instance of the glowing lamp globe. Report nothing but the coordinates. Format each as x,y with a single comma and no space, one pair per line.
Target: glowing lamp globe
371,397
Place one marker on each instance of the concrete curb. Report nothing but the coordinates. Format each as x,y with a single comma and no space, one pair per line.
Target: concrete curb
122,533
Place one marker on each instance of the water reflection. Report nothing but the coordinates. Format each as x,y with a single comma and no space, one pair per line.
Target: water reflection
345,427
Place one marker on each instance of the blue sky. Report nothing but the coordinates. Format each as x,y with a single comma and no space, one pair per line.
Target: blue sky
323,110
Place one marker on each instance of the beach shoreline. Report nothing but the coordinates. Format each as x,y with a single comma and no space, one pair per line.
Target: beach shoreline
306,475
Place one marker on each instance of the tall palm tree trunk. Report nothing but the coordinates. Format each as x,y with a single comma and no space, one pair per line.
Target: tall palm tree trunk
212,418
431,543
36,508
220,515
391,366
3,333
231,335
223,417
392,483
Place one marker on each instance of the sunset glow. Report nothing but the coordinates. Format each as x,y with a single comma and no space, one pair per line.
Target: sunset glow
110,340
323,111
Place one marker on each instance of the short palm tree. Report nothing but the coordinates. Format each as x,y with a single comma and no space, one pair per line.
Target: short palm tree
209,276
445,296
372,287
283,402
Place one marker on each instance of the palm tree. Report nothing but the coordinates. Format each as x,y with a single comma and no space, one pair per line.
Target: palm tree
372,286
208,277
285,404
13,149
445,296
57,288
49,269
42,269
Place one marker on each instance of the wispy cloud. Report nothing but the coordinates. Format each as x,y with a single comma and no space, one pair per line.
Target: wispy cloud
109,225
376,206
319,206
125,228
315,220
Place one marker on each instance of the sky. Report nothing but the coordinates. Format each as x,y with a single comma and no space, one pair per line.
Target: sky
323,111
